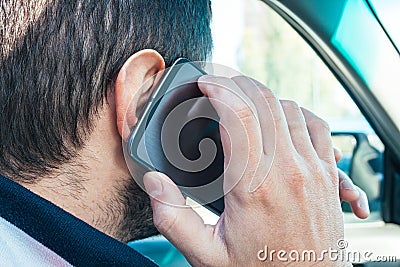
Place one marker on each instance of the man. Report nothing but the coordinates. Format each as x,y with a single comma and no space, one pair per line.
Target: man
71,71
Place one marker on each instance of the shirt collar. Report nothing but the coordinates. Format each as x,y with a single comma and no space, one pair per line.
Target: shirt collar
69,237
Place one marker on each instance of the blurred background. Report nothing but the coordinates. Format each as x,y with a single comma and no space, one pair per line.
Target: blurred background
252,38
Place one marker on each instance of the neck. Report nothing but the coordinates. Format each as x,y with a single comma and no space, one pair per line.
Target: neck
87,186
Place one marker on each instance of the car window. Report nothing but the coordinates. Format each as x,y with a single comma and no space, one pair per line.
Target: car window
386,11
358,33
252,38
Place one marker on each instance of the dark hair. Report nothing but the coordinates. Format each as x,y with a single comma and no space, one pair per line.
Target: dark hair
59,59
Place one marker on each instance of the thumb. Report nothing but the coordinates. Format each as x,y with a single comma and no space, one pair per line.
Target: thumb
180,224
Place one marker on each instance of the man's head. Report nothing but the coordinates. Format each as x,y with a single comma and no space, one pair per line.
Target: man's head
68,73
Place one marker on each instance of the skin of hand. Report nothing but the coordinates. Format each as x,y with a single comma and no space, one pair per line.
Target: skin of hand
286,198
351,193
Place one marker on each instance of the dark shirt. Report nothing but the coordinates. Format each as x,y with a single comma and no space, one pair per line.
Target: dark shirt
69,237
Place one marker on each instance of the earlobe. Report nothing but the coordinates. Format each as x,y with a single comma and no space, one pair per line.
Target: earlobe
133,84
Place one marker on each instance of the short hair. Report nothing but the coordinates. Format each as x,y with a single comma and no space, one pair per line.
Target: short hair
59,60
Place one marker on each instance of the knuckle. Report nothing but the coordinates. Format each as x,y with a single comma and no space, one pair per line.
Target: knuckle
294,171
289,104
325,125
317,124
297,126
216,80
240,78
296,176
330,161
262,196
239,197
328,175
247,79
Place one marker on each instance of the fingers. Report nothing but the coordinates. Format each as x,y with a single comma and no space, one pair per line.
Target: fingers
174,219
298,129
270,114
347,190
360,207
320,135
240,130
354,195
243,104
289,121
338,154
237,113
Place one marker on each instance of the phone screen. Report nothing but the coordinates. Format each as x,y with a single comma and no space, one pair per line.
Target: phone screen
178,134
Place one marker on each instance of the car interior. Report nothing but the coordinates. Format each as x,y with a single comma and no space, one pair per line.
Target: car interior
341,60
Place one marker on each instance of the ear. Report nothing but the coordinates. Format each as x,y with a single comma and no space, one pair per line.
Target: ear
133,87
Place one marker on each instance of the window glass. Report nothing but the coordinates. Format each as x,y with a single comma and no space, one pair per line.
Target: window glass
387,12
358,33
260,44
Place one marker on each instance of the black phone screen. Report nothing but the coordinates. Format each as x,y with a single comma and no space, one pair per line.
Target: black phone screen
178,134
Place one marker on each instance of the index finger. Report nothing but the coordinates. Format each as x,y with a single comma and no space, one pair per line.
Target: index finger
239,127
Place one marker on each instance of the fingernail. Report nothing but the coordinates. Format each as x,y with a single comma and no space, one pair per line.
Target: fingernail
347,185
153,184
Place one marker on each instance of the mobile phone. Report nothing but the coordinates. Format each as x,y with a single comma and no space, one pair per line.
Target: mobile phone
178,134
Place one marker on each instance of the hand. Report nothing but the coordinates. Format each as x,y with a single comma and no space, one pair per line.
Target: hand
281,192
351,193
